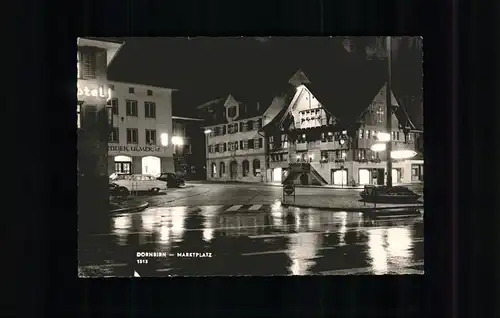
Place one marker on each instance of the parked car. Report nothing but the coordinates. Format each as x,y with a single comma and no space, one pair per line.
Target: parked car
138,182
118,192
173,180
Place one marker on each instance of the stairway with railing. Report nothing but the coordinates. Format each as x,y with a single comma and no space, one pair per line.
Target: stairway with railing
304,174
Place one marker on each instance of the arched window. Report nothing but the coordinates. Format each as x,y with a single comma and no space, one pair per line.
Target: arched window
246,168
214,169
256,167
222,169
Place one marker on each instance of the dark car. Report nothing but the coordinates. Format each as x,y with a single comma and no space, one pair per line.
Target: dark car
172,180
118,192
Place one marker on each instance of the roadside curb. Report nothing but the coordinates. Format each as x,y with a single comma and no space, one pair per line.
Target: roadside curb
132,208
349,209
333,187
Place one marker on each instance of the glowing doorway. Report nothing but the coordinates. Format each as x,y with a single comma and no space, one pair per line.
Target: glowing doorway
277,173
364,176
151,165
340,177
123,165
395,176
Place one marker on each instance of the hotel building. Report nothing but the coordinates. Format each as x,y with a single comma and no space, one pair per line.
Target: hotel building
141,137
94,55
317,141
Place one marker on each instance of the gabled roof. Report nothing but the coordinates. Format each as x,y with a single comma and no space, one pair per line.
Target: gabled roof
346,102
251,105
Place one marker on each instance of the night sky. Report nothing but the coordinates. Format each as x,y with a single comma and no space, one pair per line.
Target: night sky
203,69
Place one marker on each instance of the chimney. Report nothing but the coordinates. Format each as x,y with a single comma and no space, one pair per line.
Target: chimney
258,105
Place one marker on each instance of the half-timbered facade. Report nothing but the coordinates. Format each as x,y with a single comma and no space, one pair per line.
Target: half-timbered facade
315,141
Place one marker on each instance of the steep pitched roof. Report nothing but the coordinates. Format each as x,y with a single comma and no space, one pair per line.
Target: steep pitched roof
346,101
250,105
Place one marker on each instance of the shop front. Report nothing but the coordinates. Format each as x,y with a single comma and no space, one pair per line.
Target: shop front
151,160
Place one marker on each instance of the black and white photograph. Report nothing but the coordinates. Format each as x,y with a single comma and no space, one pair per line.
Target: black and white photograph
250,156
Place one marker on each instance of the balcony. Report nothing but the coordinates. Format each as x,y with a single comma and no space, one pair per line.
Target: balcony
402,145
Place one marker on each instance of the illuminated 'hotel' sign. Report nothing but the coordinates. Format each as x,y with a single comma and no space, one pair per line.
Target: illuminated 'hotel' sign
93,92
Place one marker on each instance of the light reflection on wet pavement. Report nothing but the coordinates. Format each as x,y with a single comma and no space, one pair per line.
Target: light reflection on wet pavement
282,241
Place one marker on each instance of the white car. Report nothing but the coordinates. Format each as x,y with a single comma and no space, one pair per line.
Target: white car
139,182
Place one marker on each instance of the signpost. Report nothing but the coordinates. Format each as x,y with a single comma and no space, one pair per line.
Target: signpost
289,190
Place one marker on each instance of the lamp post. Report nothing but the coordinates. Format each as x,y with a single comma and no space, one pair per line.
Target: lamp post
344,155
206,132
388,103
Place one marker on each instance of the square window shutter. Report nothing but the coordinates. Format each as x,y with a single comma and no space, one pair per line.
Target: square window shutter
260,142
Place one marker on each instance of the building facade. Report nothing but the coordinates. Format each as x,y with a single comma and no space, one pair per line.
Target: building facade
235,150
93,122
311,140
141,137
189,144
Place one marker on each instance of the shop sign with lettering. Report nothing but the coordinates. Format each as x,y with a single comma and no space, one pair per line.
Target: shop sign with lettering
134,148
86,89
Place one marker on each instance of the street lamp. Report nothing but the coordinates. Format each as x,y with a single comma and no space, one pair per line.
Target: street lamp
177,141
383,137
164,139
403,154
378,147
344,155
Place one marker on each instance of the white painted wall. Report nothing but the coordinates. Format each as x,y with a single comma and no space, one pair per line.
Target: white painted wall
162,123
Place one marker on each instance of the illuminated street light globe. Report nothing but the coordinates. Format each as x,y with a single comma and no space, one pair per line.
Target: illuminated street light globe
383,137
164,139
403,154
378,147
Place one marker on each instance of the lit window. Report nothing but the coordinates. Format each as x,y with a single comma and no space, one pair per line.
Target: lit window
214,169
380,113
